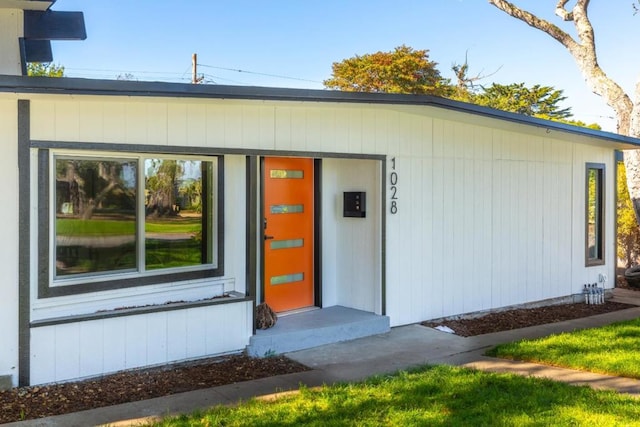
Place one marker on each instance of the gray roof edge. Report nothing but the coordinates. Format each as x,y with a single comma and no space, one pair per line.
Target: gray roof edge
82,86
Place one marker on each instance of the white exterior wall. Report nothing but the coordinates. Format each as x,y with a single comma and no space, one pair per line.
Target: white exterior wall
11,29
85,349
351,247
487,216
9,235
490,214
138,124
492,218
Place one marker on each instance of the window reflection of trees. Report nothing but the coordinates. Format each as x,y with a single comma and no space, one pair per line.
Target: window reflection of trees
96,212
176,229
97,218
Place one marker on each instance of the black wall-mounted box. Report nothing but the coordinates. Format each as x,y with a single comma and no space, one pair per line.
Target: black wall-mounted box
355,204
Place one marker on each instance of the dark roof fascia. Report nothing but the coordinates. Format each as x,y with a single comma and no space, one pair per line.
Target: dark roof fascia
80,86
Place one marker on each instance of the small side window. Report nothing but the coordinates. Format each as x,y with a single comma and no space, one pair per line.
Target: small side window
594,214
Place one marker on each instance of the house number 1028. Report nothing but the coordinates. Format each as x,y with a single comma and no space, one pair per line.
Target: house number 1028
393,188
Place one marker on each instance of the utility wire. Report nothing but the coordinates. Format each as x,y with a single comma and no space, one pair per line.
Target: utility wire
175,76
258,74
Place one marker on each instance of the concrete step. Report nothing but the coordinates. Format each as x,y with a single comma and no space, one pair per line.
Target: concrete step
625,296
314,328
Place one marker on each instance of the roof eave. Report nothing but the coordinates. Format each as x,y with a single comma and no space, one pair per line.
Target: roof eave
80,86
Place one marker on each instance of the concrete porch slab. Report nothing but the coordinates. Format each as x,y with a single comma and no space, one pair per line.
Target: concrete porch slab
314,328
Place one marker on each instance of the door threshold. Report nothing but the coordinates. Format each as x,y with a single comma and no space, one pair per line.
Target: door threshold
297,311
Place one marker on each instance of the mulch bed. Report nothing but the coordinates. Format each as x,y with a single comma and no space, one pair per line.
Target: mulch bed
521,318
42,401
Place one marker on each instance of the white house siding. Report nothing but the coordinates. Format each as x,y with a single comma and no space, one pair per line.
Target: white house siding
109,120
9,235
11,28
85,349
489,218
490,214
217,329
351,247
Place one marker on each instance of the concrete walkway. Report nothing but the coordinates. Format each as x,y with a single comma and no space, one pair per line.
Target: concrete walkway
402,348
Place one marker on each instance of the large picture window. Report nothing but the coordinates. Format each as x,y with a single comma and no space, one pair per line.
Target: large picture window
130,217
594,214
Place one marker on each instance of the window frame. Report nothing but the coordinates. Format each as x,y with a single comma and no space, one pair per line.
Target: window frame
599,229
50,286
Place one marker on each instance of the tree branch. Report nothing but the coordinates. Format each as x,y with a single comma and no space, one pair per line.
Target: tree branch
635,112
541,24
562,12
584,28
584,53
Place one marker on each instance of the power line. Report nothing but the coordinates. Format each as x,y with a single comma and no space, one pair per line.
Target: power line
106,70
259,74
214,78
174,76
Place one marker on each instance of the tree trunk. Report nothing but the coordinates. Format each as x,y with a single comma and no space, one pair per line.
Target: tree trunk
632,157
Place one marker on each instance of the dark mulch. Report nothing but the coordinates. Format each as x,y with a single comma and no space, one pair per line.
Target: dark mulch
42,401
521,318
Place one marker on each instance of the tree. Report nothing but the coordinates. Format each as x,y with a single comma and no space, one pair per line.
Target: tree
41,69
92,185
162,186
389,71
536,101
467,86
583,51
404,70
628,231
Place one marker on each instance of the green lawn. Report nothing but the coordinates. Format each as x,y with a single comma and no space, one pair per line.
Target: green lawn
110,227
431,396
94,227
177,225
611,349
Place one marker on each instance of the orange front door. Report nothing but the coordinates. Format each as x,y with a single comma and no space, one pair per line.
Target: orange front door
288,233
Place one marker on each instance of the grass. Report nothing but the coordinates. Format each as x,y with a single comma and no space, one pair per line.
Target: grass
159,252
94,227
174,225
611,349
433,396
166,254
119,227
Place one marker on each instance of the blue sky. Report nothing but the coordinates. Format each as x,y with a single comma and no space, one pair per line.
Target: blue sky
300,39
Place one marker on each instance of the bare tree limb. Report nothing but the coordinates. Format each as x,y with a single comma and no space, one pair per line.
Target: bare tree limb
535,22
464,81
635,113
562,12
584,53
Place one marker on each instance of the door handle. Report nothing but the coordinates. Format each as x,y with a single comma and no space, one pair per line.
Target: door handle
268,237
